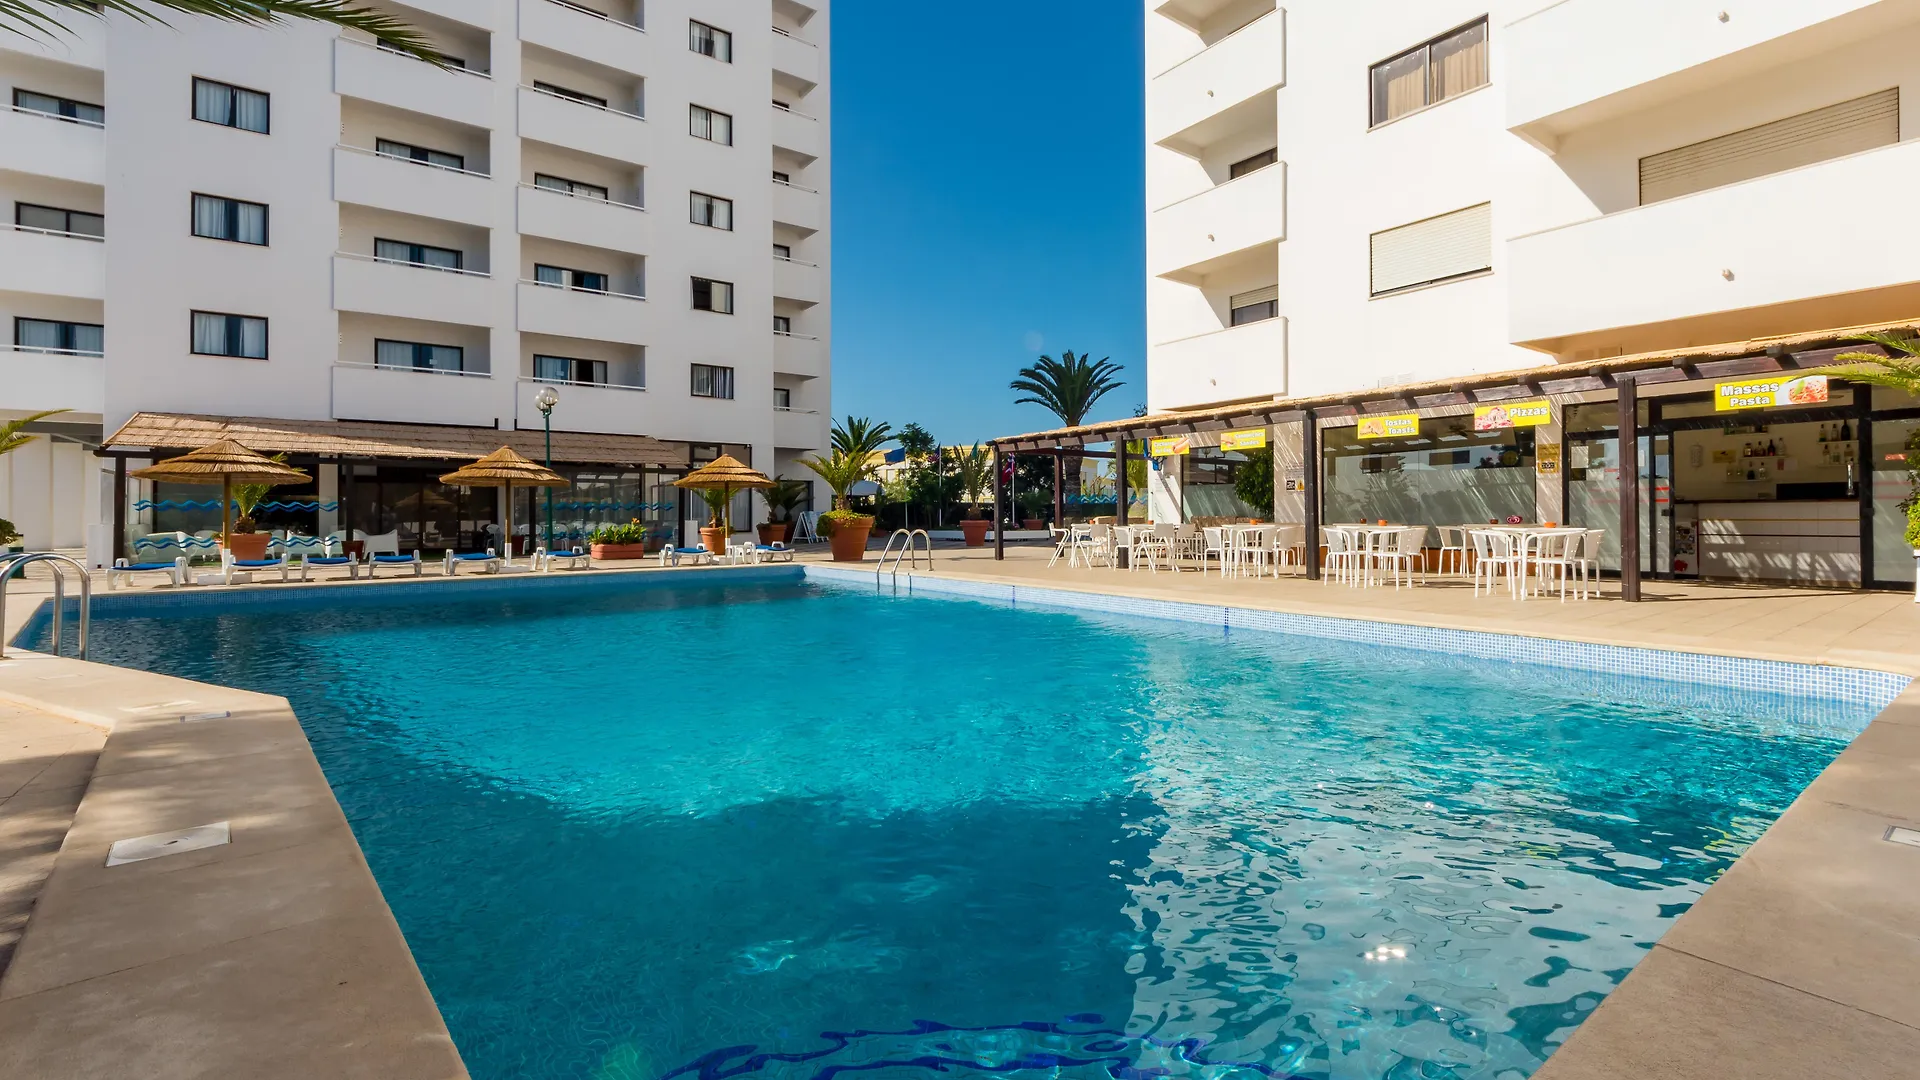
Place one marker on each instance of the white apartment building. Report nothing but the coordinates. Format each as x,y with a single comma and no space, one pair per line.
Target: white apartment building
334,250
1344,196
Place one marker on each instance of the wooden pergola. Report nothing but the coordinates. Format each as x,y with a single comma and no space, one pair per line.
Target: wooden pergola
1622,375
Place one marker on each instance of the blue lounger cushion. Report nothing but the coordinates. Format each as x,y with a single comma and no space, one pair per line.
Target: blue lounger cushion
476,556
147,566
256,562
690,551
394,558
328,560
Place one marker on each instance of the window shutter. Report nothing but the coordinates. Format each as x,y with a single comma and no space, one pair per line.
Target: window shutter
1433,250
1257,296
1820,135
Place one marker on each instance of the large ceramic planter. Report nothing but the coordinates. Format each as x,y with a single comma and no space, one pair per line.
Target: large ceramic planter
1033,524
249,545
773,532
849,539
975,530
615,552
715,540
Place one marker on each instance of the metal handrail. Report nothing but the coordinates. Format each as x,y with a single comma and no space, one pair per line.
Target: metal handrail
909,553
19,560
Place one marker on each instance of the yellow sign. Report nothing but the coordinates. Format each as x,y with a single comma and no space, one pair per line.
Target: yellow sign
1546,457
1512,414
1243,440
1767,393
1390,426
1170,446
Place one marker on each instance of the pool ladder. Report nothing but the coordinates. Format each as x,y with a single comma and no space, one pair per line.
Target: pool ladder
909,553
10,565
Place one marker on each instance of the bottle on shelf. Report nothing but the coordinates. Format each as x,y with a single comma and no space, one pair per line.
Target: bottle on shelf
1823,434
1773,449
1846,431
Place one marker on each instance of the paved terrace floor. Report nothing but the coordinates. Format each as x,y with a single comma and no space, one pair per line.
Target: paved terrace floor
1797,965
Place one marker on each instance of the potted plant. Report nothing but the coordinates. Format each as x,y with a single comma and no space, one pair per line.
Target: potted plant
1033,503
783,498
611,542
846,530
714,534
1898,369
246,542
976,474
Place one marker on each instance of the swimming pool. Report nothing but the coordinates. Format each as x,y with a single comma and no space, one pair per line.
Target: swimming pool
751,826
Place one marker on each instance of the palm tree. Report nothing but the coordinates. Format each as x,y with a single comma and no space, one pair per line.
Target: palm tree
976,475
1899,370
46,18
841,470
859,435
1068,388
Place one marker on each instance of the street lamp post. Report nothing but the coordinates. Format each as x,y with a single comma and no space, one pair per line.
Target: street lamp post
545,403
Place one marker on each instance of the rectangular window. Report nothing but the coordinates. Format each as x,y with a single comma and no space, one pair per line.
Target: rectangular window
574,95
420,154
709,295
1253,164
1438,249
48,335
218,218
783,252
399,251
713,382
215,334
230,106
704,123
419,356
561,277
570,369
54,219
781,178
782,105
710,41
1258,305
782,398
1821,135
1447,66
570,187
63,108
711,210
783,324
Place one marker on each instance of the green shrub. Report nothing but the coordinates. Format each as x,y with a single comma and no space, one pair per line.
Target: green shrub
631,533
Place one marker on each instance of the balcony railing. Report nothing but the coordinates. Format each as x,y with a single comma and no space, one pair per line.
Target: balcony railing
791,111
45,115
796,187
39,350
53,232
578,382
601,15
791,261
796,336
358,257
578,289
399,370
381,46
791,36
583,198
411,161
587,104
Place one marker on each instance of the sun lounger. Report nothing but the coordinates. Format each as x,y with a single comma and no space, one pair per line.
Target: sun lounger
177,570
231,568
486,560
671,556
575,559
374,562
330,559
774,552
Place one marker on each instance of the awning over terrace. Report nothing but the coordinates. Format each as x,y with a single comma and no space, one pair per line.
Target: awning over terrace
366,439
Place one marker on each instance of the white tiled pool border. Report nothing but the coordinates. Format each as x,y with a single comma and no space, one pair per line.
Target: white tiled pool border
1858,685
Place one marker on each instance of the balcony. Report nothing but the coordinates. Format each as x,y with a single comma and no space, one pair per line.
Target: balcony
1234,364
798,206
52,263
461,11
608,316
364,178
1184,100
796,131
415,396
583,126
799,354
578,219
602,408
407,291
1583,61
38,380
85,46
796,57
370,73
33,142
796,280
1822,231
799,429
1188,239
589,35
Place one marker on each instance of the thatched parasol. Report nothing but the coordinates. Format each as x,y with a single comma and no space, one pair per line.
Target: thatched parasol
724,473
225,463
503,469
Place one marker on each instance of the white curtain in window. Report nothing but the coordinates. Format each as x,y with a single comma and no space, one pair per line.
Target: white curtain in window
88,339
723,296
36,334
722,129
1400,86
393,354
212,102
210,217
209,333
1460,62
552,367
444,357
250,223
249,110
722,214
253,338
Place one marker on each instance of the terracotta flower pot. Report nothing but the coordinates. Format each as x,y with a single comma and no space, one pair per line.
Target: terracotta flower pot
1033,524
612,552
975,530
715,540
249,545
772,532
849,539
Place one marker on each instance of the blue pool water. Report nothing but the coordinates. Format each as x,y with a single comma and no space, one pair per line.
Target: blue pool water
780,830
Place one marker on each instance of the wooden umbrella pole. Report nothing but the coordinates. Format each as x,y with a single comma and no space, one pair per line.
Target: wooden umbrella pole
506,538
226,512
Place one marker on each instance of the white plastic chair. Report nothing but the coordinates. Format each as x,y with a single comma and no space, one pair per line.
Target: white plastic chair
1495,553
1213,545
1399,550
386,543
1252,550
1342,555
1062,543
230,567
1555,552
1290,545
175,570
1093,542
1453,542
1587,561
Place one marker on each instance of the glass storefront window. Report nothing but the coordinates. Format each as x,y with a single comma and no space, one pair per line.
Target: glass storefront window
1449,475
1206,485
1892,557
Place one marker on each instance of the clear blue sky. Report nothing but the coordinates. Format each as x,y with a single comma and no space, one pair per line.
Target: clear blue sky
987,205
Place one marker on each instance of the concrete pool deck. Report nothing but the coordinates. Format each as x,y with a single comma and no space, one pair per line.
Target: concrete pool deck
277,955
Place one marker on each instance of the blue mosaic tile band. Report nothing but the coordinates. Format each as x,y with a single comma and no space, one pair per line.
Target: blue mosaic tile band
1858,685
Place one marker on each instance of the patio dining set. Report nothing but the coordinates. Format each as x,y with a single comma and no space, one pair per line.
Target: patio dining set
1524,560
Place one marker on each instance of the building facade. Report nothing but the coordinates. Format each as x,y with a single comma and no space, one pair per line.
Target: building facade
624,202
1343,197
